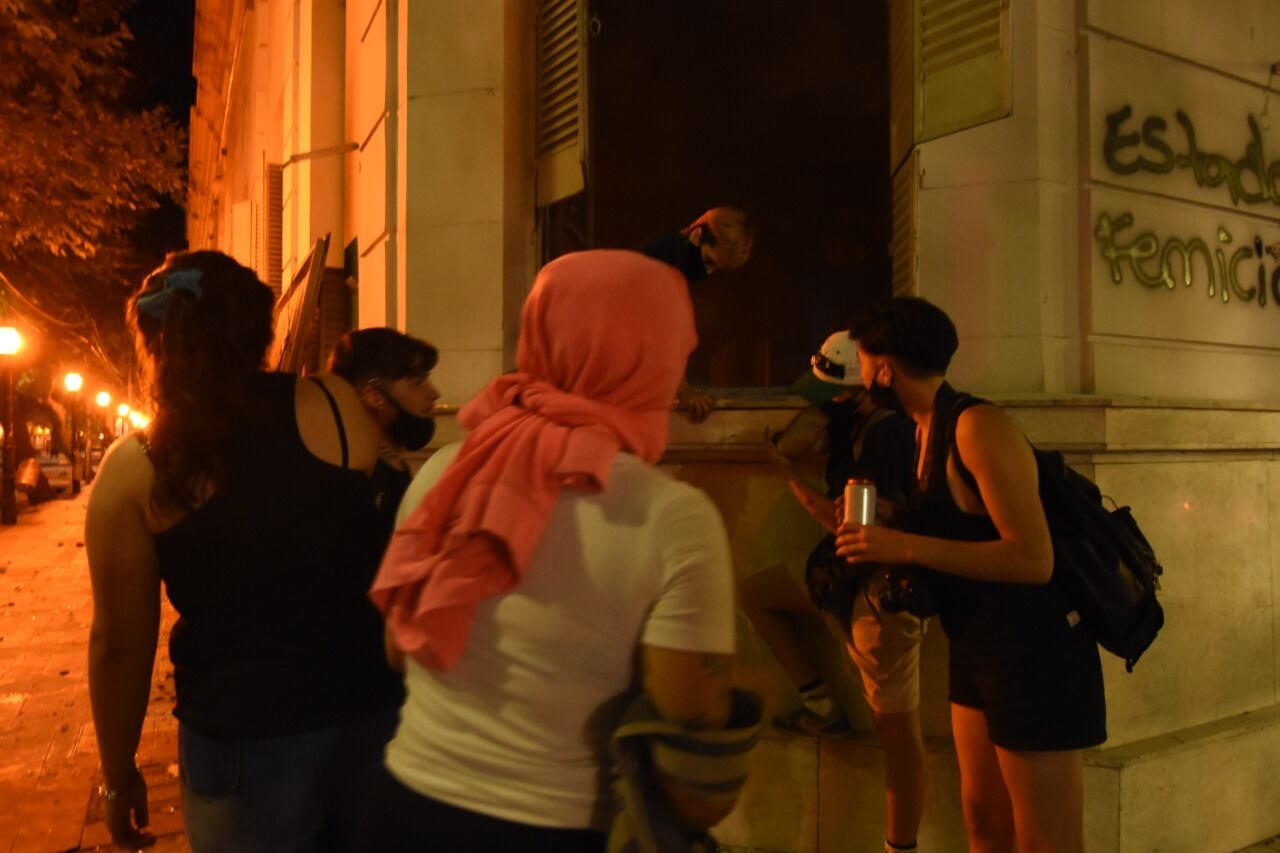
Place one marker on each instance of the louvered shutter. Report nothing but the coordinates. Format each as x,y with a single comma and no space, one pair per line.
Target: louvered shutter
903,241
273,232
561,100
902,81
962,64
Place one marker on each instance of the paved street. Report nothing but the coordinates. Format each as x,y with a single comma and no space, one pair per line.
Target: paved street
48,754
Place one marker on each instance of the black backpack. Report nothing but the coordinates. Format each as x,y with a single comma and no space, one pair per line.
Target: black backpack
1104,563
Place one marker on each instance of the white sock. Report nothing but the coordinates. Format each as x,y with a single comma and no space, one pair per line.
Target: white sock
818,701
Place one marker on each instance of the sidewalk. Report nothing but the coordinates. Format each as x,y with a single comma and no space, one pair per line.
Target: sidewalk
48,750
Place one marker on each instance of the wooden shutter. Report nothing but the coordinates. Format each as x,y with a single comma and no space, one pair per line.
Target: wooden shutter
903,241
902,81
561,99
962,64
273,232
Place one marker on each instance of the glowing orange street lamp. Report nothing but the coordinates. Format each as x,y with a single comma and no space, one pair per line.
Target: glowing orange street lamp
73,382
103,399
10,344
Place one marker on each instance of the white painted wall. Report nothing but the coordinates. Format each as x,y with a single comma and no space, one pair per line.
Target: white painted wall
1008,210
1212,63
464,186
995,221
370,209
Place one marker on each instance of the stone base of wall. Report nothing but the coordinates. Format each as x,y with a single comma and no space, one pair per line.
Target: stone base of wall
1212,789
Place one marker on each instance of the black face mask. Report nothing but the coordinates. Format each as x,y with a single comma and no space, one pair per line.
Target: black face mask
409,431
884,397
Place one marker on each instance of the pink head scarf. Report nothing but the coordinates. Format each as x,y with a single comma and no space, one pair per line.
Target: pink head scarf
604,339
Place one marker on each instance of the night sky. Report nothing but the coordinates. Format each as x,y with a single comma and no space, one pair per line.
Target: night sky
160,58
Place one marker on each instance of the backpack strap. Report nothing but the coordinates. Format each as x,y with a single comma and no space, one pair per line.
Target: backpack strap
962,402
864,426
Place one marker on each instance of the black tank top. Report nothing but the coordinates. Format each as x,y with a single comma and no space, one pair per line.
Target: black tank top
276,635
970,610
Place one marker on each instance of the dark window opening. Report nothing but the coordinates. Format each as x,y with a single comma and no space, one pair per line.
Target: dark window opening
778,108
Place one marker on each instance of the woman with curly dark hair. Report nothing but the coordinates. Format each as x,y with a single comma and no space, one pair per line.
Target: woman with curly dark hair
248,497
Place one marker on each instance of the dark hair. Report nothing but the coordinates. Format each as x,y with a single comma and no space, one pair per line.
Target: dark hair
380,354
201,336
917,333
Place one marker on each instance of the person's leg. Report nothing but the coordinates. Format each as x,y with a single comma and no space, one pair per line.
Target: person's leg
886,649
776,602
988,812
772,601
351,775
1047,791
903,775
252,795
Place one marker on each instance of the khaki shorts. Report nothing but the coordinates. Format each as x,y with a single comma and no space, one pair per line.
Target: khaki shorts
886,648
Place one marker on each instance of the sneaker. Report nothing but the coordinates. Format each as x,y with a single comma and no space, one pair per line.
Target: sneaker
802,721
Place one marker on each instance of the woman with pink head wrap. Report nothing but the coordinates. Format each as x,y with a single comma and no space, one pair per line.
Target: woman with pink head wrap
549,568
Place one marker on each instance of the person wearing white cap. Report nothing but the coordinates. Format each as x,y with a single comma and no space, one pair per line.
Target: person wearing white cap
858,440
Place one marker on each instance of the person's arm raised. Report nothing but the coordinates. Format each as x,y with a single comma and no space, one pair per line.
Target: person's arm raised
1002,462
126,621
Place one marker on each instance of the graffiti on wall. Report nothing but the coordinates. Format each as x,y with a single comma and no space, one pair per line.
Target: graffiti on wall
1251,178
1227,270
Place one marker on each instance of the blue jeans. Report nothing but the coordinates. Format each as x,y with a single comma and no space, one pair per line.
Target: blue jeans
277,795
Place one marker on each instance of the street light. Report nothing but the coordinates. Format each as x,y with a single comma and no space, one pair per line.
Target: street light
122,416
103,399
10,344
73,382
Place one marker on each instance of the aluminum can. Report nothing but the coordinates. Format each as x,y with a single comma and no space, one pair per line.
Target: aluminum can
860,502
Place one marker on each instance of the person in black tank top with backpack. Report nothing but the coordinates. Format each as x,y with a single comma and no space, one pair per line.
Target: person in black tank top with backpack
1026,684
249,499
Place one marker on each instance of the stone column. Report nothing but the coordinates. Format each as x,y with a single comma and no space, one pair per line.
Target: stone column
464,189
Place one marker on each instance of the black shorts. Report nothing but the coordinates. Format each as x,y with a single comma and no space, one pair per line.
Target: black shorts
1037,681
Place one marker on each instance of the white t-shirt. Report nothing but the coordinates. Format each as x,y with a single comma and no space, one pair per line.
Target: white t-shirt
519,728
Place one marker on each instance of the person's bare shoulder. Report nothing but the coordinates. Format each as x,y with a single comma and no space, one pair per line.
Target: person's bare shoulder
125,472
319,432
988,427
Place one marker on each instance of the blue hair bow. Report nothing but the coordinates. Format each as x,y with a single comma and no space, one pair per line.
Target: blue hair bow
188,280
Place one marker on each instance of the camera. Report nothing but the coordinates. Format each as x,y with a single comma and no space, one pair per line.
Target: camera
831,581
909,588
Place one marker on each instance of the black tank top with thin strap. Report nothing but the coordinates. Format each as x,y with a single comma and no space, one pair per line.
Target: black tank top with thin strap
978,611
276,635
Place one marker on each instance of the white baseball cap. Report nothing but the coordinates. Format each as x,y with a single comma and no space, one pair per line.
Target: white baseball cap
833,369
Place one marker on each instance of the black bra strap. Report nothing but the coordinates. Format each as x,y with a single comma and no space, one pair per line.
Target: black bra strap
337,417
